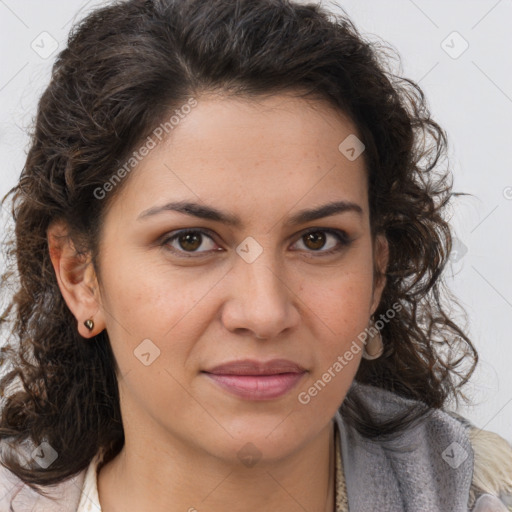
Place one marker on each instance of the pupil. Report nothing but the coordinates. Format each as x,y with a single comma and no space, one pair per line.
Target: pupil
317,238
190,238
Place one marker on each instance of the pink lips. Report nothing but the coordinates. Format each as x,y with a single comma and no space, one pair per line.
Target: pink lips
256,380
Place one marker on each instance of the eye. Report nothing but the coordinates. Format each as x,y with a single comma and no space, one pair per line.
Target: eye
316,239
189,241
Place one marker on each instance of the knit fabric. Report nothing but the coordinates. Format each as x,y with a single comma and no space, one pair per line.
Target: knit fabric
428,467
435,465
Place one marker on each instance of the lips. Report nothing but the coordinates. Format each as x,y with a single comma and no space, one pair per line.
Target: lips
254,367
257,380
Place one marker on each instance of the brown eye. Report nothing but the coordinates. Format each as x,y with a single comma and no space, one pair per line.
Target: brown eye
315,240
188,242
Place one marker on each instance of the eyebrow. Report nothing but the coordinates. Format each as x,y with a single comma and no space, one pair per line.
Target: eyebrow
210,213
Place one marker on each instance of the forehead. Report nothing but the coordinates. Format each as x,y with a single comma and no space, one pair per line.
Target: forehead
261,129
279,149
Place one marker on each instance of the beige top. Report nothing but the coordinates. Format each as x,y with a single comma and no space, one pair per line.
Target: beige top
89,501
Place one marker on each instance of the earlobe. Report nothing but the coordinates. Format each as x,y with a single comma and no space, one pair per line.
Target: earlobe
76,279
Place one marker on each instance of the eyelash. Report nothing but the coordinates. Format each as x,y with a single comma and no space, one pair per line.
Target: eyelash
341,236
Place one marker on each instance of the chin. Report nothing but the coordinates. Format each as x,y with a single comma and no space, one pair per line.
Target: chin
263,437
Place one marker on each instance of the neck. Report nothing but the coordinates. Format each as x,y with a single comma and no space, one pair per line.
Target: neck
181,479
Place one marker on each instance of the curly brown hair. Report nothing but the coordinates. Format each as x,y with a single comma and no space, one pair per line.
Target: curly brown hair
126,66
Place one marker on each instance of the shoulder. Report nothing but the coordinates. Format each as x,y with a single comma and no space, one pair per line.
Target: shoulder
443,441
492,471
16,496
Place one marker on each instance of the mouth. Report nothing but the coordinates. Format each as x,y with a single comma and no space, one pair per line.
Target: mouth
257,380
257,387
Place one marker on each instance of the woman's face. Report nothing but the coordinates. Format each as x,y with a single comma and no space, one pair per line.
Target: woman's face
258,288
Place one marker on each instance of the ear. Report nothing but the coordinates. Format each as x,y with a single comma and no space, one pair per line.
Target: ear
380,258
76,278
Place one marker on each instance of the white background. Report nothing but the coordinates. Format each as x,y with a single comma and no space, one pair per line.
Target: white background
470,96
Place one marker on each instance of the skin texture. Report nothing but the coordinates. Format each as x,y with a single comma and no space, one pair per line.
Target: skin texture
262,161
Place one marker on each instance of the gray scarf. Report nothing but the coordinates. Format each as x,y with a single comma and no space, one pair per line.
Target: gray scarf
428,468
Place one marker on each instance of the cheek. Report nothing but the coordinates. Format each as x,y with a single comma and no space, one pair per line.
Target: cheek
339,307
339,313
168,306
142,294
342,301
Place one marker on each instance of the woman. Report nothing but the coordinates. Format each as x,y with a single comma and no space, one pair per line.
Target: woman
230,241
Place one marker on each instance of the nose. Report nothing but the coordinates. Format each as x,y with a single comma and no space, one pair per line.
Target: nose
261,300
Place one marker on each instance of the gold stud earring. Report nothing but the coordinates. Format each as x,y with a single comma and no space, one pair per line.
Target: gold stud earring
89,324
